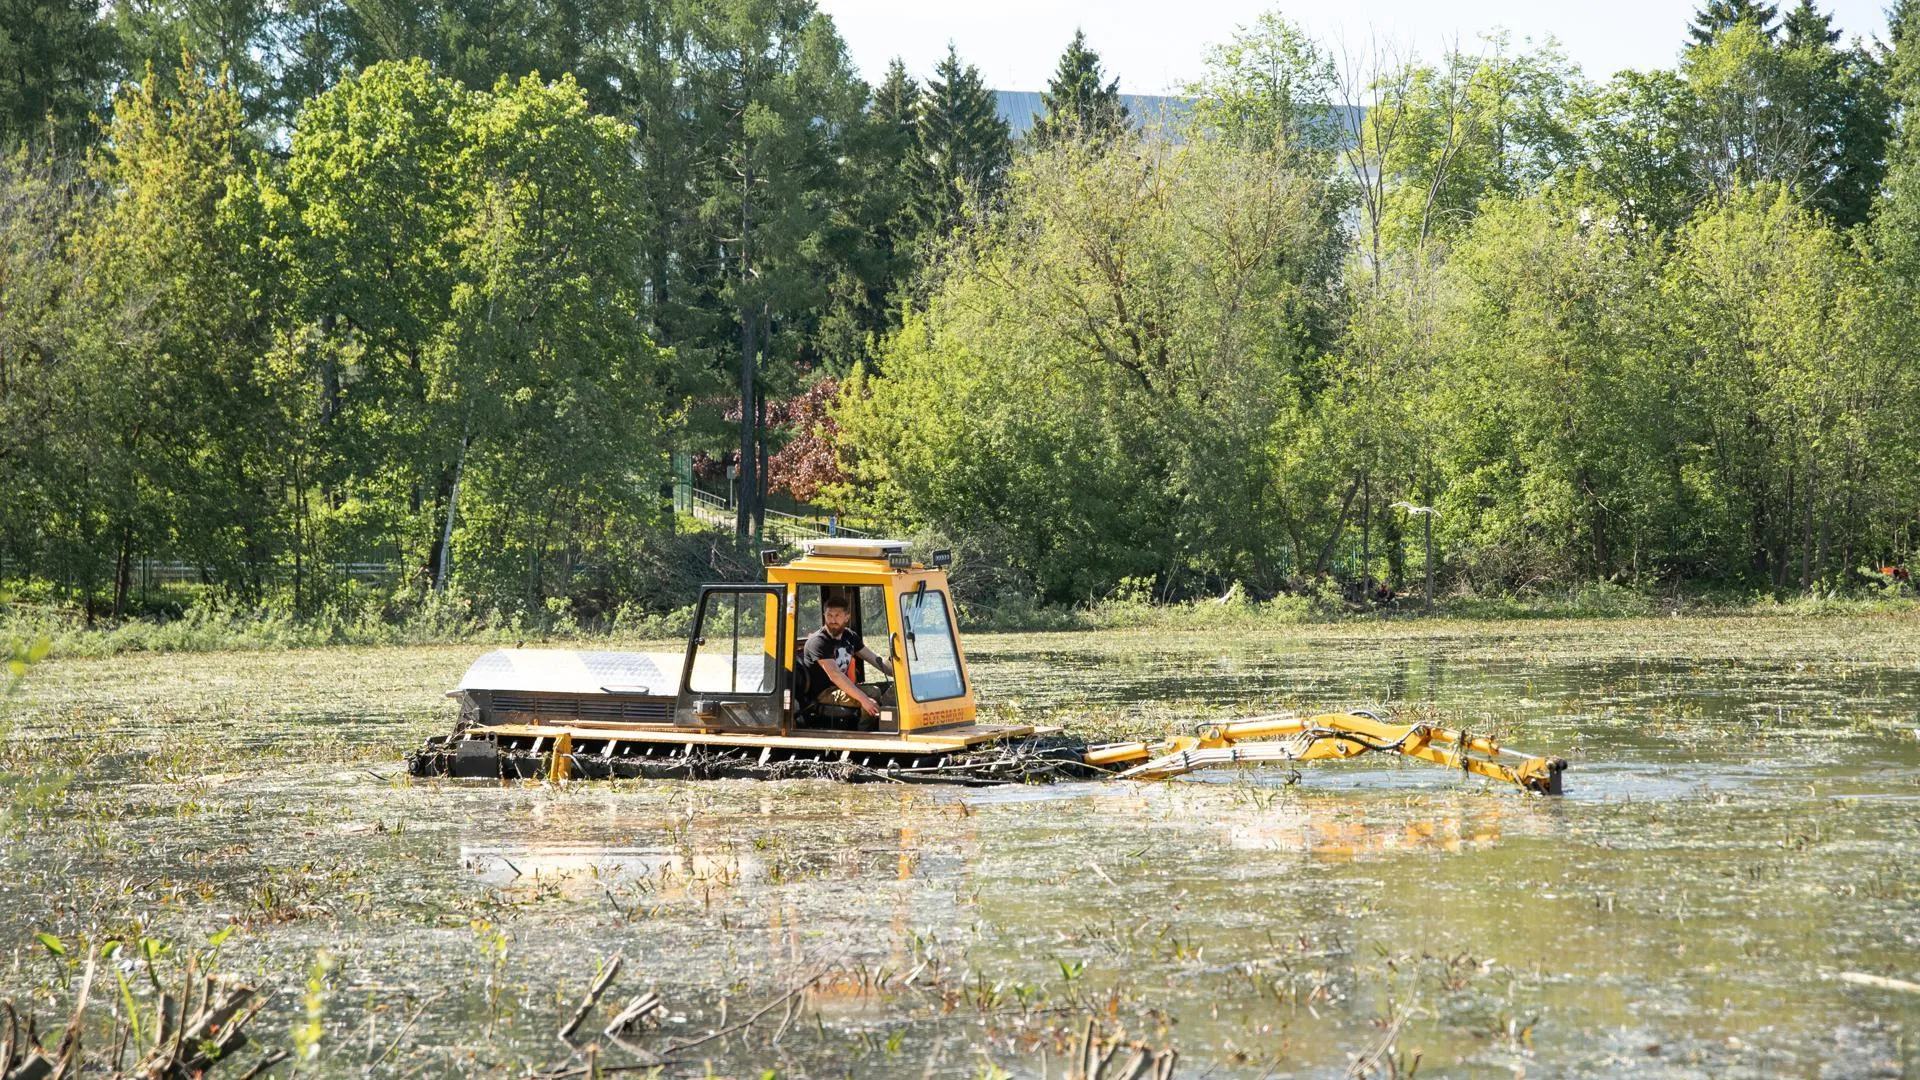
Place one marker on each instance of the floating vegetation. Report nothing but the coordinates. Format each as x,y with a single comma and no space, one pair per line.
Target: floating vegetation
191,1028
1726,889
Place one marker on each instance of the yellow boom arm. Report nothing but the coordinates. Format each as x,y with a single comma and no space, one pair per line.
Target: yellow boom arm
1291,737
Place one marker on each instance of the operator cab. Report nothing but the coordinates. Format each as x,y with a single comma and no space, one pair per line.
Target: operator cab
866,616
740,670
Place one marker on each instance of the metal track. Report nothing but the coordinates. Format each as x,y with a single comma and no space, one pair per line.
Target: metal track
478,756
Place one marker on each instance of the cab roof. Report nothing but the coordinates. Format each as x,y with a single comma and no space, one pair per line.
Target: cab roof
842,547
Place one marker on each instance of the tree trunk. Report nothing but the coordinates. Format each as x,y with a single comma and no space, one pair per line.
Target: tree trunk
1339,526
1783,551
299,536
1806,547
745,485
1826,541
1602,557
1366,536
760,468
749,484
121,575
443,566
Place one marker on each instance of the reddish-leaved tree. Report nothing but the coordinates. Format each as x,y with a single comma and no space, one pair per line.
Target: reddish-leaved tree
807,462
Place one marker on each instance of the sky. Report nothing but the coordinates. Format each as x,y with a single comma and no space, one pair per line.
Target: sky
1157,47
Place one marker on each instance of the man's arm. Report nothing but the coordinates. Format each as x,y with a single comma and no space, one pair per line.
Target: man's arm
875,659
850,688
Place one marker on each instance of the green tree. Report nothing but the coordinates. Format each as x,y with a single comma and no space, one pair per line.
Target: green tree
965,147
234,37
1719,16
1078,105
563,394
1840,95
1798,414
53,62
1270,85
475,256
44,209
1896,220
773,102
163,448
1634,149
314,44
473,42
879,253
1743,131
1090,395
1551,389
1476,127
1800,112
893,108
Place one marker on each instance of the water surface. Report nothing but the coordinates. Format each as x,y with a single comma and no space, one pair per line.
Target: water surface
1738,832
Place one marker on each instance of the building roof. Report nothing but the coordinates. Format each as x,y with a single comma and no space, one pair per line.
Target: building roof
1020,108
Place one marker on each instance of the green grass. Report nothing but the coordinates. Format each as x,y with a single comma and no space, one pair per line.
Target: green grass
209,626
1599,601
215,628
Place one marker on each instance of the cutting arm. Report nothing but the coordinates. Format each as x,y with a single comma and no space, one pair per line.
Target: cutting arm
1291,737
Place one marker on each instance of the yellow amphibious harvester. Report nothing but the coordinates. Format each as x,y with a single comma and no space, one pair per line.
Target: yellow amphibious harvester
725,707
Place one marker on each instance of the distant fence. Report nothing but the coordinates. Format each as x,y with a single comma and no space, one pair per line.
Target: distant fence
145,575
154,572
708,507
791,528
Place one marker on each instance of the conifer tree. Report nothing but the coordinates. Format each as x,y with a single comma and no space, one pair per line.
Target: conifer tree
871,245
884,199
1839,96
895,102
1722,15
237,37
964,145
52,58
1809,27
1078,106
1897,218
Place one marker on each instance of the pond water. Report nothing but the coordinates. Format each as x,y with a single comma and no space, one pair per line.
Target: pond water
1736,847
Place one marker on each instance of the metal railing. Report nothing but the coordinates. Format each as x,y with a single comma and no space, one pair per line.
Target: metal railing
791,528
161,572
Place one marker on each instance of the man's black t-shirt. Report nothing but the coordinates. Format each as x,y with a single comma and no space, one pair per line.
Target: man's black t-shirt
822,646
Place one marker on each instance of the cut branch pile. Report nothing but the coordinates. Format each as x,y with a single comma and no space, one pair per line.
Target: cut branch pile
194,1034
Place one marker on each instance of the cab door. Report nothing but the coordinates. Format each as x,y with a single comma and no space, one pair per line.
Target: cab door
735,676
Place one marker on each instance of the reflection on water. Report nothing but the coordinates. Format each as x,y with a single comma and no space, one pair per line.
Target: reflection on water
1739,830
576,866
1304,832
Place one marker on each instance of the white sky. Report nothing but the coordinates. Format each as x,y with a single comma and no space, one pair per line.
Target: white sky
1155,47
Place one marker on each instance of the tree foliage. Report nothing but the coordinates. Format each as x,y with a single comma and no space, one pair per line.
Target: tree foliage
1270,85
1099,375
448,285
466,270
53,59
1079,105
963,145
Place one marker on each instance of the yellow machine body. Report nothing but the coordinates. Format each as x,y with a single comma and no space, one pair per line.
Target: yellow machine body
728,705
542,699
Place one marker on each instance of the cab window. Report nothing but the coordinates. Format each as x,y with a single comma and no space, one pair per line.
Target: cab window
870,616
866,607
933,662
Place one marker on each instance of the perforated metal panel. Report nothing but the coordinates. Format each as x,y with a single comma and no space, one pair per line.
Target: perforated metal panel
561,708
566,671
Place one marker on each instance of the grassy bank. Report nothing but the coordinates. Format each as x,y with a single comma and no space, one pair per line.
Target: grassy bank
211,627
1235,610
